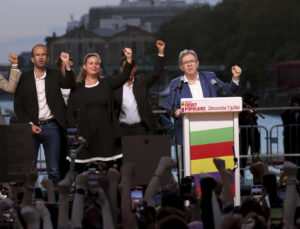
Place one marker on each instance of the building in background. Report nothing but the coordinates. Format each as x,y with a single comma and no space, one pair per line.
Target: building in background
79,41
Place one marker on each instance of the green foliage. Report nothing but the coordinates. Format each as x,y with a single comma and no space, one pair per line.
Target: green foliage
251,33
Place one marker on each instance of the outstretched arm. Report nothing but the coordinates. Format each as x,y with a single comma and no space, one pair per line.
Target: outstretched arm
128,217
14,77
226,194
159,64
68,81
120,79
165,163
290,201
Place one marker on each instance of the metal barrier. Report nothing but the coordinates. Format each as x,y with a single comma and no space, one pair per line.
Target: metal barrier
285,141
271,140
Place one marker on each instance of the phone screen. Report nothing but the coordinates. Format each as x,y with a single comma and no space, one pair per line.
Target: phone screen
256,191
276,216
136,200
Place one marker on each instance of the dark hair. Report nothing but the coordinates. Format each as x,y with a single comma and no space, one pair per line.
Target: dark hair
250,205
38,45
295,99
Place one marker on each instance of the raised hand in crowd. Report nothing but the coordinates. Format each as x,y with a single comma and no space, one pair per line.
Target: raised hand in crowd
31,175
65,57
45,214
160,46
48,185
291,195
226,195
113,177
211,213
128,53
127,176
165,163
258,169
64,190
236,72
78,202
31,216
13,59
103,201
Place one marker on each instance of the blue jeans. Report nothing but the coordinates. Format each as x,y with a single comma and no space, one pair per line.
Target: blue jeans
50,137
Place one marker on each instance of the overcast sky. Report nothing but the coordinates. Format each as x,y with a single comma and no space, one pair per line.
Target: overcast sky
24,23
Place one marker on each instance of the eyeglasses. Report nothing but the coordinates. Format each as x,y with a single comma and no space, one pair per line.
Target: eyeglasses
189,62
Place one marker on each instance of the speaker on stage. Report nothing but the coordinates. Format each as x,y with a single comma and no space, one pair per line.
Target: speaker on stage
16,151
145,152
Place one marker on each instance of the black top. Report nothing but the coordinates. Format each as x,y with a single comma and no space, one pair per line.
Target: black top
92,110
141,86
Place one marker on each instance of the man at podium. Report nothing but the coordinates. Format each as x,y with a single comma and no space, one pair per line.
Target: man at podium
196,84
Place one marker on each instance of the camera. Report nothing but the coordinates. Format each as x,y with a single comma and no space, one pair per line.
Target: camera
72,137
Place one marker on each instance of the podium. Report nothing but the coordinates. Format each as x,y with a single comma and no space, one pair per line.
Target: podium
210,129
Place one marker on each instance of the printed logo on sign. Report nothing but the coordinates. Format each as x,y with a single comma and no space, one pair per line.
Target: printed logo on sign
193,106
182,106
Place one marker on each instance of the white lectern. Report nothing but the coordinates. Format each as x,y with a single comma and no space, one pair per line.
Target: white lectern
211,129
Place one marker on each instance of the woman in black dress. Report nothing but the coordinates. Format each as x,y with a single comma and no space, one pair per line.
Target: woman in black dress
91,108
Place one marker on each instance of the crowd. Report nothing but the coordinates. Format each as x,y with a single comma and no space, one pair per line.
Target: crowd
105,201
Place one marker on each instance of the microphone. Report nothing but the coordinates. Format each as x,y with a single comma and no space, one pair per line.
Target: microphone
219,88
181,84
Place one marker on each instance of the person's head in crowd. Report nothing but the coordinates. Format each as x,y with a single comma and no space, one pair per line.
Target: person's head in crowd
250,98
189,63
92,217
231,221
295,101
91,67
60,65
168,215
250,205
254,221
39,56
172,199
133,71
172,221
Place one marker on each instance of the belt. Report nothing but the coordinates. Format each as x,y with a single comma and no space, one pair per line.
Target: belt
132,125
44,122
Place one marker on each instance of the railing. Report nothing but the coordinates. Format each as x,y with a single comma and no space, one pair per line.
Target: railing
271,145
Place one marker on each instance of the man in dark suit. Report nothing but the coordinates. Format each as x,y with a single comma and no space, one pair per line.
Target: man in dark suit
39,102
196,85
132,100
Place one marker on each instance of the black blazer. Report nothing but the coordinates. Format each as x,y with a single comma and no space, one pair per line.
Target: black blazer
141,87
26,102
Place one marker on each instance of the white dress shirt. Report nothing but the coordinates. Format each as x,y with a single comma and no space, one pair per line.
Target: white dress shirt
129,110
195,87
44,110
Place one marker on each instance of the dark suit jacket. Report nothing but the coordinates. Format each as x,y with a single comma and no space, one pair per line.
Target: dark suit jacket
208,91
141,87
26,101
